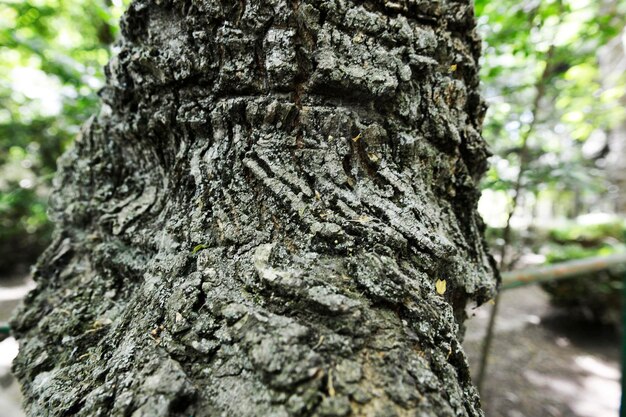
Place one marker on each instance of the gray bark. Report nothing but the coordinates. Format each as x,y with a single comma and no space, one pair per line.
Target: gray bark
254,222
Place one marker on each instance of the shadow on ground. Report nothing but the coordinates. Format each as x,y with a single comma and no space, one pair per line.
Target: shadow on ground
543,363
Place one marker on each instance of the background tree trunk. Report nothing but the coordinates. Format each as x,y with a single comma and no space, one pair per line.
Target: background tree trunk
612,60
254,222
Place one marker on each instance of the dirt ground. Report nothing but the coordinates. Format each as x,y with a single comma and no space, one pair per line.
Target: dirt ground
12,290
541,362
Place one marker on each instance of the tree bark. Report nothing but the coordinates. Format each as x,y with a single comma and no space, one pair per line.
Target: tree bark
254,223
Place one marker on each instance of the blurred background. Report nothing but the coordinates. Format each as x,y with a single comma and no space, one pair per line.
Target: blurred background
554,76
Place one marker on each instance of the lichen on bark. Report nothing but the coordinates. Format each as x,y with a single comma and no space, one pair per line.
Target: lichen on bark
254,222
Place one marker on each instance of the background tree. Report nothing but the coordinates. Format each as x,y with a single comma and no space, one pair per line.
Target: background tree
550,110
51,57
273,213
554,81
612,59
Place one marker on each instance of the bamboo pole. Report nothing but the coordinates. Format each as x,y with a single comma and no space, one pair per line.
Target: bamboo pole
569,269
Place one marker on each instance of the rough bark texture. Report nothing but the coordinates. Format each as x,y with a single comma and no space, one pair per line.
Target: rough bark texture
254,223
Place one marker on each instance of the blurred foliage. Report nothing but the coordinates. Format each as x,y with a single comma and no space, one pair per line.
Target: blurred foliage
549,113
596,297
589,235
543,84
52,54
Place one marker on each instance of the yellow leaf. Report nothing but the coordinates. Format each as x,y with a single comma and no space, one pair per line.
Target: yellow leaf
440,286
453,67
356,139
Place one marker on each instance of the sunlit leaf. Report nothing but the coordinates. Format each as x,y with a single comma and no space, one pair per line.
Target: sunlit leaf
440,286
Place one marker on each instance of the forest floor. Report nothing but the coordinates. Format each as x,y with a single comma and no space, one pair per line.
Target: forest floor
541,362
12,290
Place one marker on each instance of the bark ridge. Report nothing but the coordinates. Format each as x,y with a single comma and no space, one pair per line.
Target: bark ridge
254,222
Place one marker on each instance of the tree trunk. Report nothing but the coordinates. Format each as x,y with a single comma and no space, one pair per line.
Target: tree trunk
255,221
612,60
